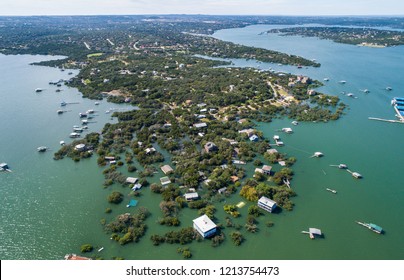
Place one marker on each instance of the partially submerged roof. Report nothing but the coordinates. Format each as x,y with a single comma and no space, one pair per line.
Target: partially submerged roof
204,223
315,231
131,180
266,201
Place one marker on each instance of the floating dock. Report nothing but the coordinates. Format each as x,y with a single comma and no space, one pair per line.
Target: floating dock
331,190
372,227
355,174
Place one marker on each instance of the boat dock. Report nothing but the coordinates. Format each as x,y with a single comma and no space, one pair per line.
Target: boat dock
372,227
331,190
4,167
355,174
313,232
384,120
340,166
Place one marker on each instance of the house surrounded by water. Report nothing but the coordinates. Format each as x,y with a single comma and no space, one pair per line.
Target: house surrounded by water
204,226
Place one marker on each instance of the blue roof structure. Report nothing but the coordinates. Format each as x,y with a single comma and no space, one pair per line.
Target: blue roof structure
399,98
400,108
132,203
376,227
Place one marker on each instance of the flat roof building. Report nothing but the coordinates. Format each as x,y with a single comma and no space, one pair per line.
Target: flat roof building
166,169
204,226
266,204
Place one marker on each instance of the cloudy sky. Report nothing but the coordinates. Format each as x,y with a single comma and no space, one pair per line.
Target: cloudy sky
214,7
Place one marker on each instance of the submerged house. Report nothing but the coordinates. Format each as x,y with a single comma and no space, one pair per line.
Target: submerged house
204,226
267,204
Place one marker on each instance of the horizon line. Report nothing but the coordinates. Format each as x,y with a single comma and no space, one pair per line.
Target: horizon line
198,14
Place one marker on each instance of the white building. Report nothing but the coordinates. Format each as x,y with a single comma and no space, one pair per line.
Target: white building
191,196
131,180
204,226
266,204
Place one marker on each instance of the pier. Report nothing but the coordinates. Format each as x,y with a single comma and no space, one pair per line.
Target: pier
384,120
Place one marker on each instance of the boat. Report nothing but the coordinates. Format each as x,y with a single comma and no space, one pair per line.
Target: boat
299,66
74,135
63,103
326,79
78,129
60,112
389,88
372,227
342,166
295,123
96,103
102,248
62,143
350,94
331,190
42,149
38,90
90,111
82,115
366,90
342,82
276,137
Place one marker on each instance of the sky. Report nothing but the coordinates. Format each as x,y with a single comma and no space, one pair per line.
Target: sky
208,7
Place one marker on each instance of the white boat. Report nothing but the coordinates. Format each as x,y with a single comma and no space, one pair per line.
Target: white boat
342,82
326,79
38,90
42,149
276,137
389,88
295,123
78,129
84,121
366,90
74,135
342,166
62,143
90,111
96,103
102,248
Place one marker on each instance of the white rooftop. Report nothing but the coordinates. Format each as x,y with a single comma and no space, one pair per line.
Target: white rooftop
192,195
266,201
204,223
131,180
